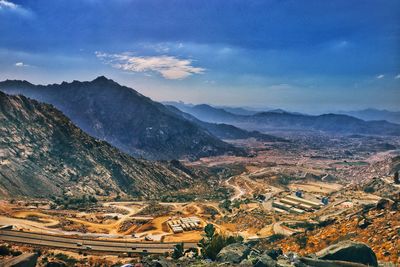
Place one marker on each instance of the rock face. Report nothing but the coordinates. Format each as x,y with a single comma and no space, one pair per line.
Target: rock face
42,153
349,251
126,119
233,253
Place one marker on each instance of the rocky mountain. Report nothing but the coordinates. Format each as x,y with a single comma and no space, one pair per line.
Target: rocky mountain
126,119
226,131
283,120
43,153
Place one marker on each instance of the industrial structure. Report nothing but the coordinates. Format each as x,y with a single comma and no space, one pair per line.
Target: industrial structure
295,204
184,224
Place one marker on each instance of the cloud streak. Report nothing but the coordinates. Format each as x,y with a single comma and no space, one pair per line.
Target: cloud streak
6,5
170,67
21,65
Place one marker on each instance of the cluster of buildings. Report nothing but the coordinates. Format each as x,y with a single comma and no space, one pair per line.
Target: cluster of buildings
295,204
184,224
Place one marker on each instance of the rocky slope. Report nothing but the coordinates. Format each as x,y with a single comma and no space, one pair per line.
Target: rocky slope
43,153
378,228
126,119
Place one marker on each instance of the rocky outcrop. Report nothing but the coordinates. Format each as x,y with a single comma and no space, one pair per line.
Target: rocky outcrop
349,251
233,253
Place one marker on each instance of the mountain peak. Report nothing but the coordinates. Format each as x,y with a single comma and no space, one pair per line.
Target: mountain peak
102,79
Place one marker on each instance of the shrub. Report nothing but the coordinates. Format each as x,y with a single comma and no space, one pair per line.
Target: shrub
212,243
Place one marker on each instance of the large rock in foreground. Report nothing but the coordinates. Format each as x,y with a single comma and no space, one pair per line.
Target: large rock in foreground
233,253
349,251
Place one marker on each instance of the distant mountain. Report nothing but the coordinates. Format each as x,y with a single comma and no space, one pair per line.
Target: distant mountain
126,119
332,123
208,113
238,110
284,120
42,153
375,114
226,131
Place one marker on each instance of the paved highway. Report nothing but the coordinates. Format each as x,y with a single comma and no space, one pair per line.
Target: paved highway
87,245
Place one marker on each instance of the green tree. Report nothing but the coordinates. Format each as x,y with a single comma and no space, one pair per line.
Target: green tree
209,230
178,251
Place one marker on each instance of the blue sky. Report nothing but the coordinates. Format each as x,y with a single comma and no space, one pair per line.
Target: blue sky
312,56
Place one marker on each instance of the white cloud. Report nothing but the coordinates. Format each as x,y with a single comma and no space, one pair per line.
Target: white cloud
380,76
397,76
21,64
6,5
169,67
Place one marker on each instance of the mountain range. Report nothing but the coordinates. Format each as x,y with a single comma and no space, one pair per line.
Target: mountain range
283,120
126,119
226,131
375,114
43,153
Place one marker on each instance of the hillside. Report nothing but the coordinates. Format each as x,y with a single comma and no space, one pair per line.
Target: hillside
43,153
282,120
126,119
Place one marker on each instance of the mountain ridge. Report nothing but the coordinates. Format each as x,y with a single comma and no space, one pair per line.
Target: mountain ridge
42,153
125,118
283,120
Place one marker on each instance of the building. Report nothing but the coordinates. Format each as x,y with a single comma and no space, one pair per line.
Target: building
184,224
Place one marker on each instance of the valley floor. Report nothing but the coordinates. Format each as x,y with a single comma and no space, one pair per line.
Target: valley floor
255,207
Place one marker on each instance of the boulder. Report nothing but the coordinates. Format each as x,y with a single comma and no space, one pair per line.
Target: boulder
265,261
349,251
233,253
384,203
363,223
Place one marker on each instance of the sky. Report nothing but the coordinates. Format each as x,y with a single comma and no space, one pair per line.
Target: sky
310,56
